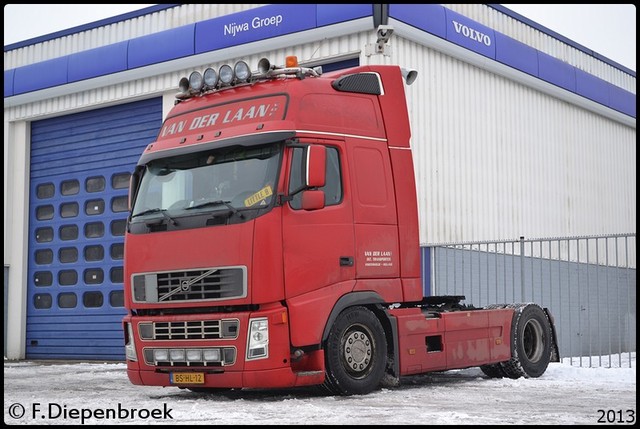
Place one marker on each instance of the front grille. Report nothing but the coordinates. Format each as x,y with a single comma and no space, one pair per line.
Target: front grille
190,330
211,284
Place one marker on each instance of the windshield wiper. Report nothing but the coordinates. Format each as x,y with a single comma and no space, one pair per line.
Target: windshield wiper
157,210
217,203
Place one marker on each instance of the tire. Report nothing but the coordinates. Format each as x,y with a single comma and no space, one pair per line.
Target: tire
531,342
355,353
493,371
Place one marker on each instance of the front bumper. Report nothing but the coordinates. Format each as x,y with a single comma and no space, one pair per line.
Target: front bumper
235,368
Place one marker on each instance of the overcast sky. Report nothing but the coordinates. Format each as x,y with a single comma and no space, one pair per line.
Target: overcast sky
608,29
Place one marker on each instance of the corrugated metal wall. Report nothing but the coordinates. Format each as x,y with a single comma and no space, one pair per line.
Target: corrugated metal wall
120,31
498,160
495,159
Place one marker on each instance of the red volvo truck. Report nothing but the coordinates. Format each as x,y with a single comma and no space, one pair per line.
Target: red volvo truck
273,242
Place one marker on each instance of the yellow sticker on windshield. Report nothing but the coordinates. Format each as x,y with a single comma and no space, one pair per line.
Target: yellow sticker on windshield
258,196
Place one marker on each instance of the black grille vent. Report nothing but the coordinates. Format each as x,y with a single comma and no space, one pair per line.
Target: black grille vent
192,285
220,284
364,83
192,330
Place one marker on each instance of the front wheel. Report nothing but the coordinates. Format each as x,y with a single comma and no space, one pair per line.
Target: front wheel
356,352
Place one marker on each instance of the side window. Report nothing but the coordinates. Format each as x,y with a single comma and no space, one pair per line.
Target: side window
333,186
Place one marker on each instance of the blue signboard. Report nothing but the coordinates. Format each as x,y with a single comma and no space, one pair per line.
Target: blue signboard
470,34
462,31
253,25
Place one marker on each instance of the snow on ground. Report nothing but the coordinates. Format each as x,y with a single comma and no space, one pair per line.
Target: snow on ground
45,392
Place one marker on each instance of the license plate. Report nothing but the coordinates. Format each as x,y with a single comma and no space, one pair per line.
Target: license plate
187,378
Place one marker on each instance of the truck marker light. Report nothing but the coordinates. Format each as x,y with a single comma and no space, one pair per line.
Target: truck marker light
291,61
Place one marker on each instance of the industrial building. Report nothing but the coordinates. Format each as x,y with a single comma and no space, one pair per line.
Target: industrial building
516,132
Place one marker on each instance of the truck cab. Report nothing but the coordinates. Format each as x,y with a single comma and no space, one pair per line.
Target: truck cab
272,240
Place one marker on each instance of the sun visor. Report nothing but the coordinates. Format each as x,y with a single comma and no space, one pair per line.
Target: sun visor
244,140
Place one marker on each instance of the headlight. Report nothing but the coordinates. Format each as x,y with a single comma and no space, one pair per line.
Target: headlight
258,341
130,345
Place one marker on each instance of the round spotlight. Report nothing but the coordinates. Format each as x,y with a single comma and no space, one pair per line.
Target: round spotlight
226,74
210,78
195,80
242,72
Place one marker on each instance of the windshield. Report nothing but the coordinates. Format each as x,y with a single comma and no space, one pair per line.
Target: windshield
228,180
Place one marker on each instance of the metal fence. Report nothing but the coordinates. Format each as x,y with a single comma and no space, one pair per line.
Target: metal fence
588,283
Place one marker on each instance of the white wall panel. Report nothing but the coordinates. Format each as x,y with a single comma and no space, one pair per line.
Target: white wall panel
498,160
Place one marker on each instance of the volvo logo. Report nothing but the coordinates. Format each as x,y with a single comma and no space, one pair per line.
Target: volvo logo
185,285
472,34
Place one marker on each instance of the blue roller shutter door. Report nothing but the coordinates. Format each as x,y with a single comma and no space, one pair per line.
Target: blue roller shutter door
80,168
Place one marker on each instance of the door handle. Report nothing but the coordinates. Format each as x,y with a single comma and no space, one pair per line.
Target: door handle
346,261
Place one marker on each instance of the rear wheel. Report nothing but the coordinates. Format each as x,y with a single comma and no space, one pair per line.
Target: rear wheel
355,354
531,342
494,370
